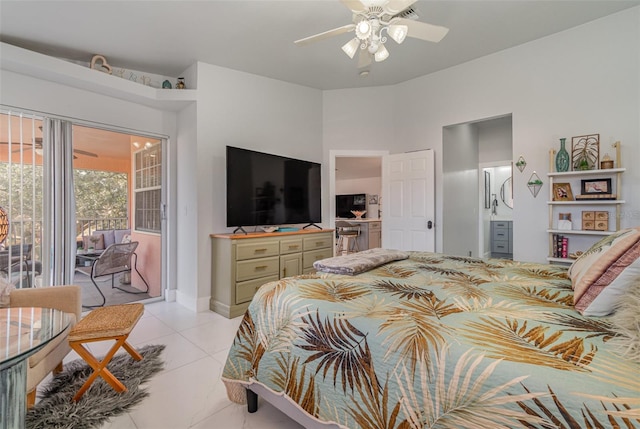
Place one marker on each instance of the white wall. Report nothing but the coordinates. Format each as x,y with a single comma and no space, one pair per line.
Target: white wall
460,189
495,140
583,80
365,185
252,112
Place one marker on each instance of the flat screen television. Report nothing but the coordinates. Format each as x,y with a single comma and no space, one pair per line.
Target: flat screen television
348,202
265,189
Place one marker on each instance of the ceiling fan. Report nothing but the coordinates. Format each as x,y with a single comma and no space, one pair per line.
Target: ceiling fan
38,148
371,20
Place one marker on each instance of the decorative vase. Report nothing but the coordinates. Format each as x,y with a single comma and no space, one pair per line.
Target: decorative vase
562,158
166,84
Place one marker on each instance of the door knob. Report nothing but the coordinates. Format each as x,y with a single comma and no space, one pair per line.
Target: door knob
429,224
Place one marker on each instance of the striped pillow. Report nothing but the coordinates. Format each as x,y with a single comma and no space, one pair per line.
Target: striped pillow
604,273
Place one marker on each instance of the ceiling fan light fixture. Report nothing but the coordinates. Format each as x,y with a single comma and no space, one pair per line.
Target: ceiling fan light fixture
398,32
381,54
363,30
351,47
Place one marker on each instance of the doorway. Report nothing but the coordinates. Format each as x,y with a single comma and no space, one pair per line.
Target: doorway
358,173
468,148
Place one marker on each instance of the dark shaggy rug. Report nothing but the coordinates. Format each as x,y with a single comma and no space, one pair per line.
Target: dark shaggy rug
56,408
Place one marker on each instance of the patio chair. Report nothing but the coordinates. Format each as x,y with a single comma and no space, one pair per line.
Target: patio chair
115,259
18,257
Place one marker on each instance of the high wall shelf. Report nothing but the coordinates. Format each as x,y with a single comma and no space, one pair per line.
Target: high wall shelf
583,239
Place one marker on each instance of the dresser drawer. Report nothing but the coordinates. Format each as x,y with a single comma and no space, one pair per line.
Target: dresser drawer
254,268
320,241
308,258
257,249
500,234
290,245
375,226
500,246
246,290
501,224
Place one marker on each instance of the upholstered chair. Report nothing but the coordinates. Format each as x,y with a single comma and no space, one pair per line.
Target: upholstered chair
63,298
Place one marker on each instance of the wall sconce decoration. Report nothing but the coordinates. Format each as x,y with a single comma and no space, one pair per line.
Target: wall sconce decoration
521,163
534,184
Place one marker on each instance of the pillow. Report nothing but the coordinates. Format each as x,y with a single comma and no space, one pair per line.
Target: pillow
109,236
96,241
126,238
120,233
605,272
626,323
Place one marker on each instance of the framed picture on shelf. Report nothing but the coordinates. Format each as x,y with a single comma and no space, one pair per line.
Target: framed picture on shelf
596,186
562,192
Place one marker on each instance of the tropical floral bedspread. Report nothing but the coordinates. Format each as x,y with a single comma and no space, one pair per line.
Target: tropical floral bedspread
436,341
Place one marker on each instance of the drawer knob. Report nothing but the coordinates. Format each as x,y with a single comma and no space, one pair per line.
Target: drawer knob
319,243
261,267
261,250
293,247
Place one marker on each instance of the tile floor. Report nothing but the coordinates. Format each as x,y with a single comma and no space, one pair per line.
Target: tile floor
188,393
113,296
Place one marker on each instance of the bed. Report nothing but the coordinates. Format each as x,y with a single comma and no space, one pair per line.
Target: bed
433,341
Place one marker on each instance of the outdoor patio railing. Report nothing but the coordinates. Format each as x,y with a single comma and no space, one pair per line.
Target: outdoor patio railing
86,226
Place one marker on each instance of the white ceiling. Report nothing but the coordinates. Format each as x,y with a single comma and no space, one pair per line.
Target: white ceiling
166,37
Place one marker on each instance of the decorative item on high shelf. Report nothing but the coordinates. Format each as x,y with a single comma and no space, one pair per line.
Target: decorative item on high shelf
180,83
521,163
585,152
166,84
102,65
534,184
562,158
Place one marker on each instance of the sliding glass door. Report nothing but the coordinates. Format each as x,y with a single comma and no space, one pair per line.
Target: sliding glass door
68,190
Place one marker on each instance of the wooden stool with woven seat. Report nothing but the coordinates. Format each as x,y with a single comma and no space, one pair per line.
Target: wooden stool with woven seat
106,323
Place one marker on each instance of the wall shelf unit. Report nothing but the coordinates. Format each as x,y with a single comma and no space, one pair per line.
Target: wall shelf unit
582,239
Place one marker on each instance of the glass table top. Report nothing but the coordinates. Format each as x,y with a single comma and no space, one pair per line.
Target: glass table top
25,330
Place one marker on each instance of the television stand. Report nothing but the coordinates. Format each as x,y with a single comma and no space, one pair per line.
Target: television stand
311,224
240,229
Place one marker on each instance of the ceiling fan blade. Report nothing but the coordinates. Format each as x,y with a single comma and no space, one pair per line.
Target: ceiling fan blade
364,58
84,152
397,6
326,34
354,6
422,30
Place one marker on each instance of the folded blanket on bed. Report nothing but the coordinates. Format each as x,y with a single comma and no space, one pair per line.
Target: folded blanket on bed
360,262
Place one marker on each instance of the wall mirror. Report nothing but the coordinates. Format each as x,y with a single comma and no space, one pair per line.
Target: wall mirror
506,192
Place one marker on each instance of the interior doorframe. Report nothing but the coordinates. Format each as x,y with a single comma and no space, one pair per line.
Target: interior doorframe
352,153
481,231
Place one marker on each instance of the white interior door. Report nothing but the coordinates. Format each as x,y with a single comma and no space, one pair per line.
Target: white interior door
408,206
